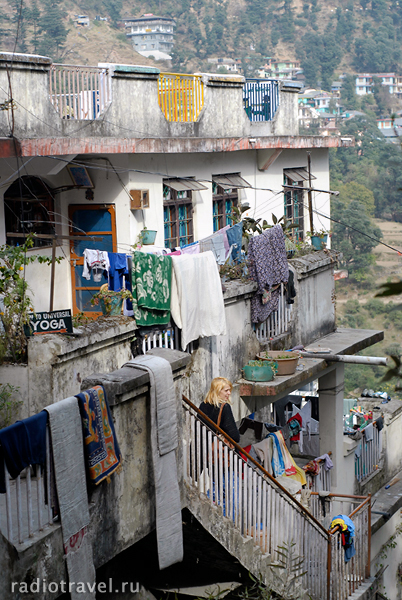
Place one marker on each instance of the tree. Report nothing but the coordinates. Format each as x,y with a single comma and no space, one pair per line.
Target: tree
54,33
355,235
355,192
348,93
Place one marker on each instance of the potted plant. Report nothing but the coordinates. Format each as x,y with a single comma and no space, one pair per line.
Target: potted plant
111,302
318,239
287,361
260,370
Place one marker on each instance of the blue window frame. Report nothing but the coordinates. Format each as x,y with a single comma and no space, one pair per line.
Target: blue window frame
178,218
223,202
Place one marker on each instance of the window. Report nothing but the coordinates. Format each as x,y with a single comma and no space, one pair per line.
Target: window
178,217
225,197
28,208
294,198
223,202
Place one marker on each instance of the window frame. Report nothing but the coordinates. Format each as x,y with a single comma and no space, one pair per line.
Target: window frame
172,201
220,197
294,198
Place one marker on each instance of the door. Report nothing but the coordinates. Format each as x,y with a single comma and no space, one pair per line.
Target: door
99,222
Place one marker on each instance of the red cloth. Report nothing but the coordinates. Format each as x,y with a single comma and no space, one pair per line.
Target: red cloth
298,418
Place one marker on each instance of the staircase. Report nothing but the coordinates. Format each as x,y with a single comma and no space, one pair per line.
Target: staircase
254,518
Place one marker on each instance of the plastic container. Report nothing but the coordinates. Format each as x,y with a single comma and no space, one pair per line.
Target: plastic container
148,236
286,366
258,373
113,308
319,242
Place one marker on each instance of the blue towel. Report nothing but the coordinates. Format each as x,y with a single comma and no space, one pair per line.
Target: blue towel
21,445
234,235
118,268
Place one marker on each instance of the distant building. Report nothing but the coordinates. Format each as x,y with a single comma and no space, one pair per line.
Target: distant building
151,35
233,65
81,20
364,83
282,68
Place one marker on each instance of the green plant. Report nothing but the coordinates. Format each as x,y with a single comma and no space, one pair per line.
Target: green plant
80,319
321,234
288,581
140,239
16,305
106,297
8,405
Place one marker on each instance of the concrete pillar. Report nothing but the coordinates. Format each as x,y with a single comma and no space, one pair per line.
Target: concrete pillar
331,393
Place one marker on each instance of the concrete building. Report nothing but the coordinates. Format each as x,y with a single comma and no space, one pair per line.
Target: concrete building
151,35
105,162
364,82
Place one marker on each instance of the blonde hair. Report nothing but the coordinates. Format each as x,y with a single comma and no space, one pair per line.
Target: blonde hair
217,386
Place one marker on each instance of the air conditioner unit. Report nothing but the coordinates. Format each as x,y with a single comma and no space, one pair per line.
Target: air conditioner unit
139,199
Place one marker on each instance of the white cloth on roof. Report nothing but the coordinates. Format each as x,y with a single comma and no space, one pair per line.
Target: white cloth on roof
197,305
96,261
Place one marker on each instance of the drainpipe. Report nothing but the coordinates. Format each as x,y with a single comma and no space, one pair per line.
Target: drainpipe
348,358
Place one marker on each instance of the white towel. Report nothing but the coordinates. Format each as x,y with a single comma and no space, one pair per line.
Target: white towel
197,305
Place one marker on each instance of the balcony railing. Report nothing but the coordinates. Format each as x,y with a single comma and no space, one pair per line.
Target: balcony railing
181,97
81,93
23,511
278,322
261,99
261,510
368,456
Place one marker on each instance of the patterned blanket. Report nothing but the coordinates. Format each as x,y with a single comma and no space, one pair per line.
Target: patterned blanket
151,289
101,449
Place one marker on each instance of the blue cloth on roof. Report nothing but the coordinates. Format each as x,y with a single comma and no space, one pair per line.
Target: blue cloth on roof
234,235
22,444
118,268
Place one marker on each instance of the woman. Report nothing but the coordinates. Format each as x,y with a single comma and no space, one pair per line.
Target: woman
219,393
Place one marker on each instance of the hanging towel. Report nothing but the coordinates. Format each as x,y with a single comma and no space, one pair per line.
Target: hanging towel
268,266
118,268
22,444
128,305
328,464
102,452
369,432
164,441
95,261
216,244
264,451
197,301
152,282
234,235
68,453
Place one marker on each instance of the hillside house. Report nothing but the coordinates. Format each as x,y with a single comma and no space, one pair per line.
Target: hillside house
151,35
173,153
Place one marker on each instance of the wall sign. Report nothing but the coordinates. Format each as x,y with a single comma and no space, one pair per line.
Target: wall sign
58,321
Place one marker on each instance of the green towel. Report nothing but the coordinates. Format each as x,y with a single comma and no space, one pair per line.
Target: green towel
152,284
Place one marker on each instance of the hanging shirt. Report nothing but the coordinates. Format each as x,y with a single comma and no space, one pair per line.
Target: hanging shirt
117,270
95,263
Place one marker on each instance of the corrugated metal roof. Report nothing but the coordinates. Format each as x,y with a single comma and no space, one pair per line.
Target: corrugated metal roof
230,181
297,174
182,185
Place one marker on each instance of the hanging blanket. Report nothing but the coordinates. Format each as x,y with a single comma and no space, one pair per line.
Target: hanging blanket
102,453
68,453
151,289
22,444
268,266
197,300
164,441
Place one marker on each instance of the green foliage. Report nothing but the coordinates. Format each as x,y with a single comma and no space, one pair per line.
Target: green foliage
375,307
288,573
355,236
52,29
9,406
357,192
16,303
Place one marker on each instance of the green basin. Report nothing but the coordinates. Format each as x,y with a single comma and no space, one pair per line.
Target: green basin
258,373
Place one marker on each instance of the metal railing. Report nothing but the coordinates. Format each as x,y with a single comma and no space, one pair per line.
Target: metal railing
23,511
278,322
164,338
78,92
346,577
262,510
261,99
370,455
181,97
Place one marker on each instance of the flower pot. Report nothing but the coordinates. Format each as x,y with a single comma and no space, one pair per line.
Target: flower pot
319,242
286,366
112,307
148,236
258,373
